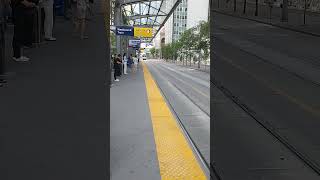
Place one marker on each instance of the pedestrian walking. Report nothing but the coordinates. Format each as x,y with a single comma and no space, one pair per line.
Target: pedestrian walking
124,62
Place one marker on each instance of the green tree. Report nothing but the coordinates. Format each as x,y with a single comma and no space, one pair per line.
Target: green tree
153,52
203,39
193,40
113,43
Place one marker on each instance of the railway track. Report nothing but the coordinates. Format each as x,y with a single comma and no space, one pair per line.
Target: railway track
186,95
213,173
276,65
265,124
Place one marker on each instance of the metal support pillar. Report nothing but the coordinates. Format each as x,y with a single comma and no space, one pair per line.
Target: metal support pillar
118,22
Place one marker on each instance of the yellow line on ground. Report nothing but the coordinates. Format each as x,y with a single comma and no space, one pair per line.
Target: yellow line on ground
175,156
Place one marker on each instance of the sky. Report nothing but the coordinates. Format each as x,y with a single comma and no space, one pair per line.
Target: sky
197,11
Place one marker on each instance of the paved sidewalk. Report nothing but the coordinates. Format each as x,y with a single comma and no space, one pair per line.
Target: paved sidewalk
132,146
295,17
53,111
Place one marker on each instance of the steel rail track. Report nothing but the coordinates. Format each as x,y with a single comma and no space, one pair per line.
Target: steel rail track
266,125
212,170
188,97
273,64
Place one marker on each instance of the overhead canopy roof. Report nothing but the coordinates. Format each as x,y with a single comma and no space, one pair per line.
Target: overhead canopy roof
148,13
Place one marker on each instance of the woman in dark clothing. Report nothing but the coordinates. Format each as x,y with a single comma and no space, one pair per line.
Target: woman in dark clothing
21,21
117,67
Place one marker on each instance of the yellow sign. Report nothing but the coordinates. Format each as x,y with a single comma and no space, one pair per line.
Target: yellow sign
142,32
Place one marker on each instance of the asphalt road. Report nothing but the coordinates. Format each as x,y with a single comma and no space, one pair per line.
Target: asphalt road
275,73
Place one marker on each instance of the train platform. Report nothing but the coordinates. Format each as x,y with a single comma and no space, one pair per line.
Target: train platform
147,141
53,118
53,121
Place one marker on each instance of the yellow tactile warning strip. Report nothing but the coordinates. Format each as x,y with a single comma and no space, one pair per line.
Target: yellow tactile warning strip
176,159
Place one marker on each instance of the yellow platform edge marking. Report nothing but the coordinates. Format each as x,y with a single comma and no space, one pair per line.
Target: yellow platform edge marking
175,156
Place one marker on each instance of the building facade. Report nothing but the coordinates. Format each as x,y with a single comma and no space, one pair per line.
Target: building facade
188,14
177,23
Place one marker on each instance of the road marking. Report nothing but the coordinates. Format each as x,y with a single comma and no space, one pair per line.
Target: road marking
175,156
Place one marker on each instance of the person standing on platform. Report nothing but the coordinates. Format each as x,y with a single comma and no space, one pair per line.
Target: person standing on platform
48,20
124,62
90,9
82,8
20,13
74,12
135,63
129,62
117,66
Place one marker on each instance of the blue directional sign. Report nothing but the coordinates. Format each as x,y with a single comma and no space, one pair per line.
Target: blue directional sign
135,43
124,30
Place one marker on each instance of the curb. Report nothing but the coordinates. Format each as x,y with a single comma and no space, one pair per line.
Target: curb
272,24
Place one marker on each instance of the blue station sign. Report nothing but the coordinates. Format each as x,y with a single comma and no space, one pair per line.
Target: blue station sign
124,30
134,43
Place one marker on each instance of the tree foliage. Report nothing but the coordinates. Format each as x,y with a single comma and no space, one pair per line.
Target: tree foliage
193,40
113,43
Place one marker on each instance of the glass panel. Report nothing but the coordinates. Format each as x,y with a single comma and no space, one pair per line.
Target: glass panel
151,14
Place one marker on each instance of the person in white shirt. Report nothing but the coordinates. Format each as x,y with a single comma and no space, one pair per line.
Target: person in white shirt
124,62
135,62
